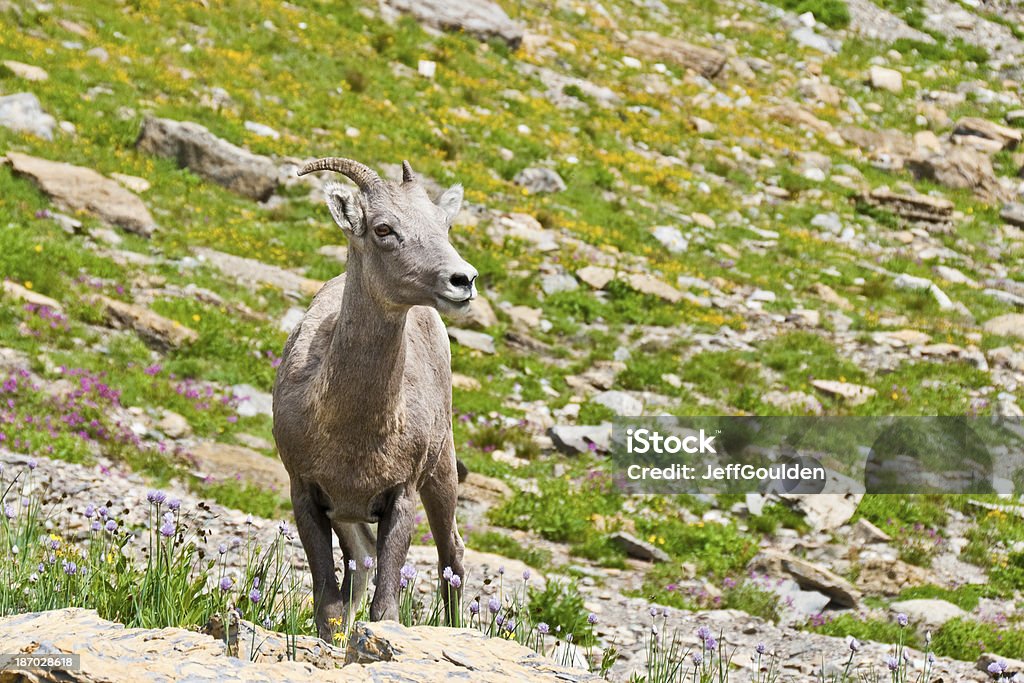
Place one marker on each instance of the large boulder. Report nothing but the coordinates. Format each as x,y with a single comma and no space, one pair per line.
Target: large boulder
480,18
154,329
194,147
75,188
958,167
705,61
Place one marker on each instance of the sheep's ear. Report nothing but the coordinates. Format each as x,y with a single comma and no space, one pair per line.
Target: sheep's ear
344,207
450,202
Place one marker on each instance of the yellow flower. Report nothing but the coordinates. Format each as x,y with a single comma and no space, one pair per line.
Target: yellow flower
195,317
842,378
38,248
28,284
895,396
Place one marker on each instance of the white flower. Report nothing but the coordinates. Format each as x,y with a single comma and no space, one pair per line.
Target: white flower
33,577
14,550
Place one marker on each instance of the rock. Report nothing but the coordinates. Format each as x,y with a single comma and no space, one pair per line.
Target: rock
884,576
914,283
917,207
525,227
866,532
928,614
793,402
134,183
960,168
852,394
22,112
882,78
154,329
620,403
75,188
262,130
174,425
539,180
647,284
26,72
816,90
705,61
472,340
14,290
825,511
830,296
901,338
1013,213
1013,666
671,238
806,37
554,283
465,382
1007,138
1008,325
524,316
194,147
256,272
581,439
703,220
480,314
808,576
228,462
638,549
804,316
252,401
596,276
482,19
803,603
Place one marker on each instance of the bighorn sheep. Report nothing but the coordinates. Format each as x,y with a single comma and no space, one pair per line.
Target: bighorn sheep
363,395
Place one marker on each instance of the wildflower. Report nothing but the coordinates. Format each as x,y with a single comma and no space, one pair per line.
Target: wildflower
474,608
33,577
653,611
902,619
854,644
32,464
102,512
14,550
222,549
711,644
70,568
368,562
543,628
591,618
111,525
501,571
157,497
54,542
455,581
9,511
174,503
96,526
447,573
90,510
493,605
703,633
226,583
997,668
761,648
931,657
892,663
255,582
698,659
927,637
526,575
408,572
351,565
254,595
568,637
267,622
284,529
167,529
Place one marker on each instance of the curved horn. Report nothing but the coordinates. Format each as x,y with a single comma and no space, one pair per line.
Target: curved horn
361,174
408,176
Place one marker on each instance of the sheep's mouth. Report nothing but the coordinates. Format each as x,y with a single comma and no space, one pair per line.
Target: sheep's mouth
457,304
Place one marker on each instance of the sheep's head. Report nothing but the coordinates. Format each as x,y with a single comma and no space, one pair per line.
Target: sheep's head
400,236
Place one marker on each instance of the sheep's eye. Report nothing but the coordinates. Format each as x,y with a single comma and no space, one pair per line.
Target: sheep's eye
382,230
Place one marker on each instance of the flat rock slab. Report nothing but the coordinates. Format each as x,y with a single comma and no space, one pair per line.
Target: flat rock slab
705,61
75,188
480,18
917,207
256,272
1009,325
471,339
582,438
853,394
27,72
928,612
808,576
637,548
154,329
219,161
1007,138
228,461
16,291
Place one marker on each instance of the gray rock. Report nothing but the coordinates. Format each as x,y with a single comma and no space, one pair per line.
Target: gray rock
253,401
554,283
866,532
808,576
1009,325
580,439
638,549
538,180
26,72
194,147
1007,138
471,339
620,403
808,38
23,113
928,613
174,425
882,78
705,61
671,238
480,18
256,272
1013,213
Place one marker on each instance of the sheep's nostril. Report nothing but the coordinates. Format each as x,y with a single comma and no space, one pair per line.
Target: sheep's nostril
461,280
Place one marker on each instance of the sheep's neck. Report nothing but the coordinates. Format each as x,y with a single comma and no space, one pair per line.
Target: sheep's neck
366,360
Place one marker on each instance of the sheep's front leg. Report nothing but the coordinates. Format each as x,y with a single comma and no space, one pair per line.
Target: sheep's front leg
440,496
394,533
315,533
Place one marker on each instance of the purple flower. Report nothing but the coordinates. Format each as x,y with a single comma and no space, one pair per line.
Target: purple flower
997,668
854,644
70,568
167,529
351,565
543,628
32,464
698,659
103,511
703,633
408,572
761,648
902,619
157,497
653,611
284,529
111,525
226,583
455,581
222,549
447,573
174,503
501,571
526,575
591,618
892,663
254,595
931,657
9,511
474,607
494,605
368,562
711,644
90,510
96,526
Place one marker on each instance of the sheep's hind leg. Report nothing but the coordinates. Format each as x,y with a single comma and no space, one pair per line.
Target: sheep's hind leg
315,533
394,533
440,495
358,542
